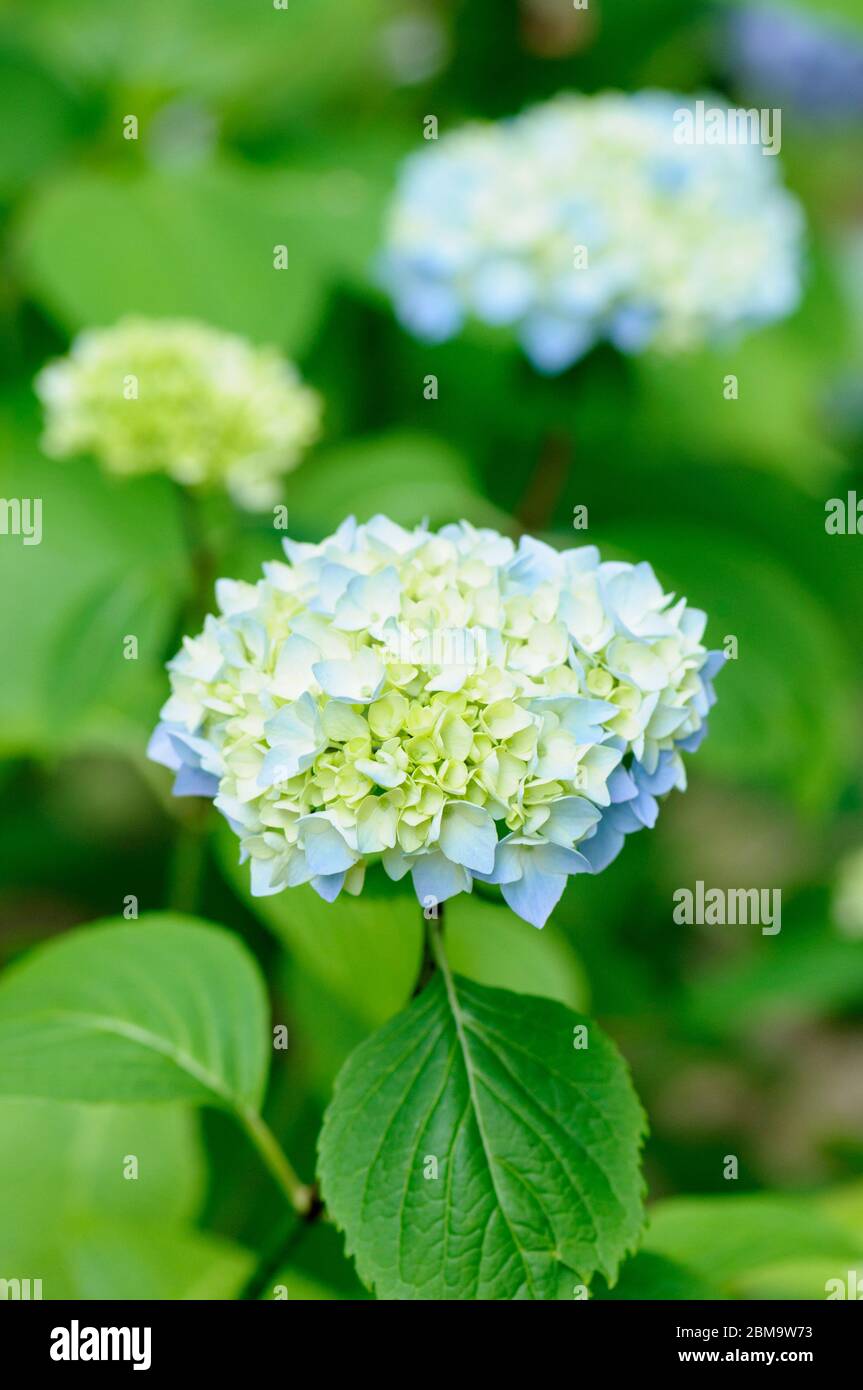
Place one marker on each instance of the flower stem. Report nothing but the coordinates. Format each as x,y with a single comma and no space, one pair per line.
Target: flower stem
301,1197
435,945
545,486
186,867
203,542
427,967
274,1257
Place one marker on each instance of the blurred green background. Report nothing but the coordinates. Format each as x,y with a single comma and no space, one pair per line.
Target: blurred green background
260,126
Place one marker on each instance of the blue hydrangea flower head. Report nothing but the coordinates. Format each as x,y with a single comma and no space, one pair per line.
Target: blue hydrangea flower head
451,704
587,218
812,62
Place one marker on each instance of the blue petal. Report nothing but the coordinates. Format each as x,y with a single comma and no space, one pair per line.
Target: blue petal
603,847
328,886
468,836
502,291
356,682
507,862
436,877
261,878
535,895
553,344
295,738
569,820
554,859
693,742
192,781
662,779
621,786
430,311
161,748
326,850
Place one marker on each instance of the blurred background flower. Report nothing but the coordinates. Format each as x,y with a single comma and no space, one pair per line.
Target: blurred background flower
177,397
589,218
810,61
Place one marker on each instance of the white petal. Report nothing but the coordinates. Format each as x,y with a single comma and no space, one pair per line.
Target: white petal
468,836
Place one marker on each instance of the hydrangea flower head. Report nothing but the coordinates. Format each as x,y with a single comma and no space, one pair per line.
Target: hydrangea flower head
448,703
585,219
174,396
810,61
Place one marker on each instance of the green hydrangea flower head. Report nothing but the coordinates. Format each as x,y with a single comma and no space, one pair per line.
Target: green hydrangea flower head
178,397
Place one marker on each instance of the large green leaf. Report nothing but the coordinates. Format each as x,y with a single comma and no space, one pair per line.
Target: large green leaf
406,474
38,118
814,972
650,1277
536,1148
254,62
726,1239
489,944
69,1199
61,1164
166,1009
108,1261
366,950
111,565
775,422
196,245
813,1278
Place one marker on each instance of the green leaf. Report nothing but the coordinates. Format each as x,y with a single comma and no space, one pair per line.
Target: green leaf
844,1207
196,244
111,563
62,1164
38,119
726,1238
257,65
489,944
366,950
116,1262
536,1145
167,1009
71,1215
801,1279
816,971
651,1277
300,1288
405,474
775,423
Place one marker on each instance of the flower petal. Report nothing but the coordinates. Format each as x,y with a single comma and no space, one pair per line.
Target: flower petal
468,836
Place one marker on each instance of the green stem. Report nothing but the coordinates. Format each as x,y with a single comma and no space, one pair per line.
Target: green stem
204,542
301,1197
305,1203
275,1256
537,508
186,868
435,946
427,965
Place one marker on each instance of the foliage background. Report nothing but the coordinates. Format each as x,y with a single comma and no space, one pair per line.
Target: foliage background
259,127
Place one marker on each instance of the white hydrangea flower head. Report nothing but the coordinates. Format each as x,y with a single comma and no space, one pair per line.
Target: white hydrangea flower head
179,397
448,703
584,219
